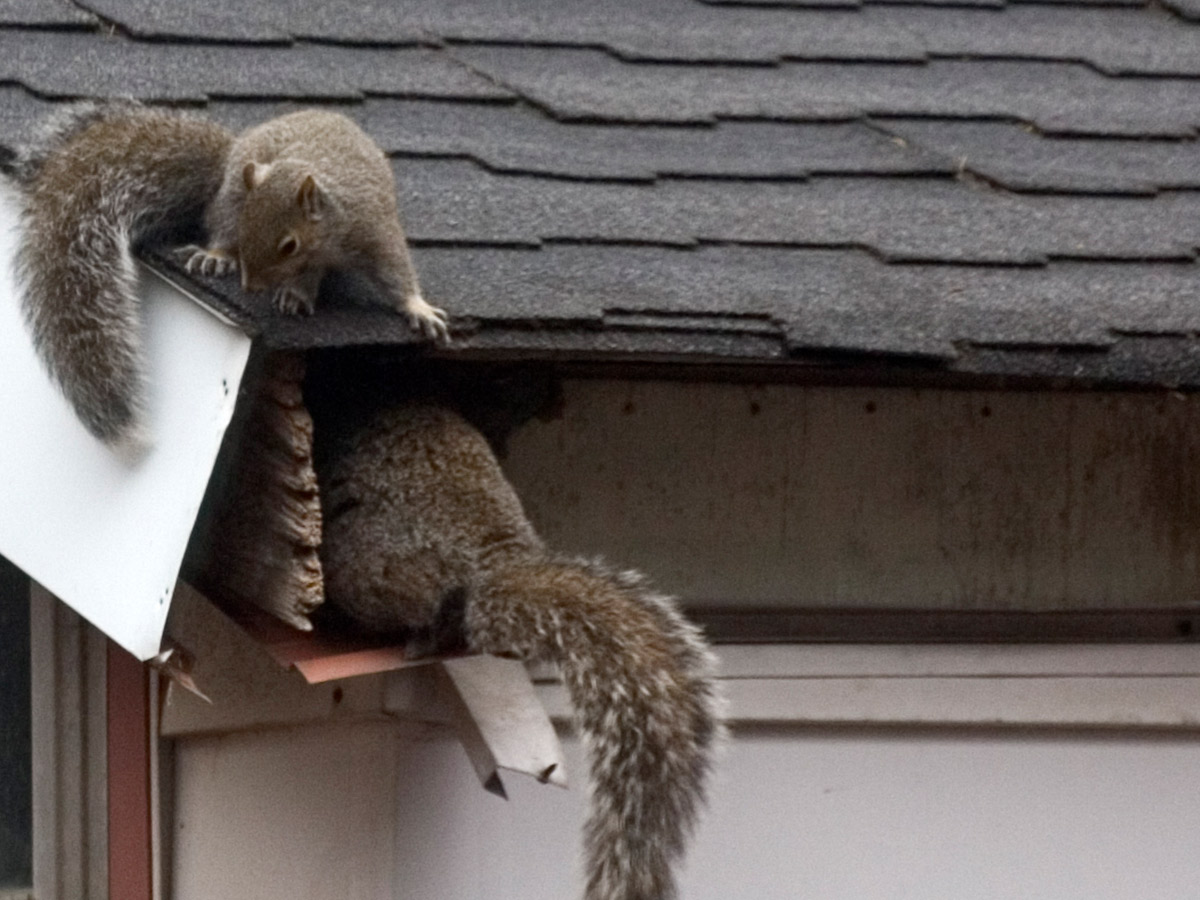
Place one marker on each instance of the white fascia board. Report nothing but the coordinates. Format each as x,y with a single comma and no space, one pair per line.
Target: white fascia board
105,534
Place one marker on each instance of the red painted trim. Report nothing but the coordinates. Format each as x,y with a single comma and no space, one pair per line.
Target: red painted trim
130,860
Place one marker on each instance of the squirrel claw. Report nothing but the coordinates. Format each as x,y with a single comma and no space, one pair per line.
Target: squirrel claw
213,263
292,302
430,321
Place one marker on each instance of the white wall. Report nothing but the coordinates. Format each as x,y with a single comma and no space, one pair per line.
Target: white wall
376,810
296,816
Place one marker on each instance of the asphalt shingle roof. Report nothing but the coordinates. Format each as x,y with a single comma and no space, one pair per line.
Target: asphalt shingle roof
973,188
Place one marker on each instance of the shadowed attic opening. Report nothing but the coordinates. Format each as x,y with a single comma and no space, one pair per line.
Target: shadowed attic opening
255,548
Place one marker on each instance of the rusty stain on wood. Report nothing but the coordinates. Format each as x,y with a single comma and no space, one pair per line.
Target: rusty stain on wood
794,496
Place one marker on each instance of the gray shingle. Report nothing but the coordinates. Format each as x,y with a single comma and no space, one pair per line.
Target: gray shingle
1080,3
403,72
510,137
767,219
1114,40
1059,97
43,13
785,4
668,29
900,219
853,4
20,114
1021,159
361,21
679,30
1171,362
843,302
1117,40
205,21
1189,9
76,64
458,202
1134,39
985,4
801,4
867,305
772,302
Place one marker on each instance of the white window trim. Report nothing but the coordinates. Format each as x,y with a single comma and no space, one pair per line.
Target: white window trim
1125,686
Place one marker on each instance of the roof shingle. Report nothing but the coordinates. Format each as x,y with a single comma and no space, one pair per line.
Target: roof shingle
972,187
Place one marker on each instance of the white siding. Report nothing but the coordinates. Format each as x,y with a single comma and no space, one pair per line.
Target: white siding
374,812
293,815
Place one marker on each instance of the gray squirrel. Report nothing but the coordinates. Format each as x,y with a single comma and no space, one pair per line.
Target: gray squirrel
286,200
423,534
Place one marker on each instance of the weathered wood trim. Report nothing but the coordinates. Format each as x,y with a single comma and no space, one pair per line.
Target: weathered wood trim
766,661
1122,687
70,789
130,820
776,497
913,626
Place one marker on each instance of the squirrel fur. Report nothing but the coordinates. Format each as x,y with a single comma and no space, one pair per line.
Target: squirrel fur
305,193
103,179
423,532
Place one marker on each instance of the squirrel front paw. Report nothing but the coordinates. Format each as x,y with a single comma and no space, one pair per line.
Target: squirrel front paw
214,263
292,301
428,320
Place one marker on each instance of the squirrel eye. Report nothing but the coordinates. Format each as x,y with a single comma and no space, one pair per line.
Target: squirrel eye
289,246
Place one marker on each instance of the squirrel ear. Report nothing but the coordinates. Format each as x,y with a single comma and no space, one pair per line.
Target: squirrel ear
311,198
254,174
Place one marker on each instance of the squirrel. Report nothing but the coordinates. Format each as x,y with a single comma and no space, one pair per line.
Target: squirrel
302,194
423,533
288,199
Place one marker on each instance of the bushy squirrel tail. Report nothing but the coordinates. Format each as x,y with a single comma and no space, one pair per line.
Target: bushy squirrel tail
641,682
100,180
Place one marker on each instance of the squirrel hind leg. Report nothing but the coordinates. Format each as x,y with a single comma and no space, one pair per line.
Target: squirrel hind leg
447,634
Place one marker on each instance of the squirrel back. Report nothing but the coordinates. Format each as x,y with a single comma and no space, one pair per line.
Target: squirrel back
423,531
99,181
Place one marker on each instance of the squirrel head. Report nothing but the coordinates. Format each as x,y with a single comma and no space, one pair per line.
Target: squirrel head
280,227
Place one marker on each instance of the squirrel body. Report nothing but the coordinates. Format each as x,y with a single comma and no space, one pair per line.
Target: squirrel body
103,179
422,531
305,193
